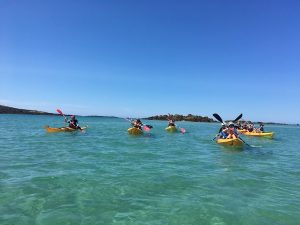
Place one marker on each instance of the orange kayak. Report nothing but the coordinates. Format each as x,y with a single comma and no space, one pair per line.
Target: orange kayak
61,129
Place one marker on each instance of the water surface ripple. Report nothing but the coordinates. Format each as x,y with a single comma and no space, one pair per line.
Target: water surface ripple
105,176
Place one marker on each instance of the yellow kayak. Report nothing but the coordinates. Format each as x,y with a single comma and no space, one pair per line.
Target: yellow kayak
135,131
242,131
232,141
171,129
61,129
264,134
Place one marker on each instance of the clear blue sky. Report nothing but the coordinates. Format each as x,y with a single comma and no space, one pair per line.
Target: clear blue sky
141,58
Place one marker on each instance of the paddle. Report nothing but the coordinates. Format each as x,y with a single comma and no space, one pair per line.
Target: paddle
61,113
238,118
221,121
215,137
218,118
252,146
182,130
146,128
244,141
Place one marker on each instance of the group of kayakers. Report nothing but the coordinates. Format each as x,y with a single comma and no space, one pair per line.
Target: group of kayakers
249,126
226,131
229,130
232,130
138,123
229,133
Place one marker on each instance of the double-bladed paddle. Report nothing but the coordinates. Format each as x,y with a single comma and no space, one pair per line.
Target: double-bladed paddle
221,121
61,113
236,119
218,117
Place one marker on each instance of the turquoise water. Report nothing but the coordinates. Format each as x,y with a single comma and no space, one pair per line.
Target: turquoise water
104,176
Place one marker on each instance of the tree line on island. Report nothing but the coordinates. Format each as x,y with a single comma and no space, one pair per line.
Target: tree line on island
12,110
177,117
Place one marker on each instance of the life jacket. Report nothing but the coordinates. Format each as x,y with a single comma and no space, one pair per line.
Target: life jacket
73,123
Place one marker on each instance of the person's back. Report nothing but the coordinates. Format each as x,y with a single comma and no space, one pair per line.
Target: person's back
73,123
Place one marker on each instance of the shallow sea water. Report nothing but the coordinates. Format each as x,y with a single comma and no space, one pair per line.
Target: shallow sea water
105,176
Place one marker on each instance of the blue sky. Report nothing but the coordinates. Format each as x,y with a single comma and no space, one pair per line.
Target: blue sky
141,58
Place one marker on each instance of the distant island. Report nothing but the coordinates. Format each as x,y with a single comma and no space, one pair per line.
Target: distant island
11,110
177,117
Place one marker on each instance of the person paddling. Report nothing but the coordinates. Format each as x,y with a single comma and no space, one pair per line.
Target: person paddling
232,132
250,128
73,123
261,128
223,132
171,121
137,124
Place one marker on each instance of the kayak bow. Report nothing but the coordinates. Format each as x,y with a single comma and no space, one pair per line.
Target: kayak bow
171,129
135,131
231,141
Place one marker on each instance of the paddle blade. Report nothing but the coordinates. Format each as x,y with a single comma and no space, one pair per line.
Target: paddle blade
239,117
218,117
182,130
146,128
60,112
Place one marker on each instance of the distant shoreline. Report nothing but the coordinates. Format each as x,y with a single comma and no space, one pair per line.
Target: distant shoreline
205,119
12,110
177,117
